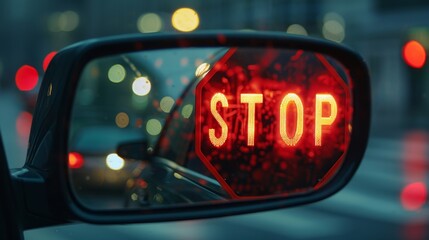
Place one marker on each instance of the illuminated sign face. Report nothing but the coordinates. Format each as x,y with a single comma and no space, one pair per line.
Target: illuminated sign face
271,121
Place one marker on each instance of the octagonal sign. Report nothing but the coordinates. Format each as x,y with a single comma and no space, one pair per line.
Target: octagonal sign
273,121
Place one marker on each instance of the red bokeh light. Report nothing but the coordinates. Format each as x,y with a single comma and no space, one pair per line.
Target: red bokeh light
75,160
414,54
414,196
23,126
48,59
414,155
26,78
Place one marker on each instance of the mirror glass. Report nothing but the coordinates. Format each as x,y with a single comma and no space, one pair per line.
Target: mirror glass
171,127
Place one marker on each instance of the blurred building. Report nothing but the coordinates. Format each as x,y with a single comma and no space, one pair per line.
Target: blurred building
376,29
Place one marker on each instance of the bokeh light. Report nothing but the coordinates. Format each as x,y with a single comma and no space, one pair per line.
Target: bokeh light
166,104
68,21
333,27
23,126
53,22
114,162
187,110
141,86
116,73
48,59
414,196
185,19
333,30
202,70
75,160
153,127
184,80
122,120
26,78
63,21
414,54
184,61
149,22
158,62
134,197
297,29
334,16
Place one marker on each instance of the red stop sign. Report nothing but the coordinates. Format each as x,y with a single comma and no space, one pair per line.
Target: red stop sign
273,122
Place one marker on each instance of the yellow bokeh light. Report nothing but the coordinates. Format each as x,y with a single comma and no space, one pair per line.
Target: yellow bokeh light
134,197
141,86
185,19
63,21
122,120
333,30
297,29
177,175
114,162
202,70
334,16
149,22
166,104
334,27
116,73
187,110
68,21
153,127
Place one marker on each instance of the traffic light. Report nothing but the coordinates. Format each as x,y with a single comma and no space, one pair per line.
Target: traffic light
414,55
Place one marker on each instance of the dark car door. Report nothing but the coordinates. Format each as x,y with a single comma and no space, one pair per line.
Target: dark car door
9,228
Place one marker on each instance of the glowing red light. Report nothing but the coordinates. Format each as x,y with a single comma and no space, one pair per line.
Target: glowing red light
23,126
48,59
75,160
414,155
142,183
26,78
414,54
269,118
414,196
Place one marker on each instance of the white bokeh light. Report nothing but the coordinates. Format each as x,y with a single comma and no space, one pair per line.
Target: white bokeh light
114,162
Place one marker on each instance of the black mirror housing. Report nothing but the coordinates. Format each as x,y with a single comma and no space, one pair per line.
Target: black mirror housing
46,169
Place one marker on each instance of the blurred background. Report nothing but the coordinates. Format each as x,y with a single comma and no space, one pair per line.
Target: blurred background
32,31
391,35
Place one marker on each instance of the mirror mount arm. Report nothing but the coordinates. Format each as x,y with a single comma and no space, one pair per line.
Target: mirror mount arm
32,196
10,226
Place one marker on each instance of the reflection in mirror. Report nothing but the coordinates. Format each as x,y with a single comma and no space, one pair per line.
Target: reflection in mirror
171,127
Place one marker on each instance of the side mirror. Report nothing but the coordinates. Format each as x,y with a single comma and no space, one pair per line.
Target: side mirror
234,123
